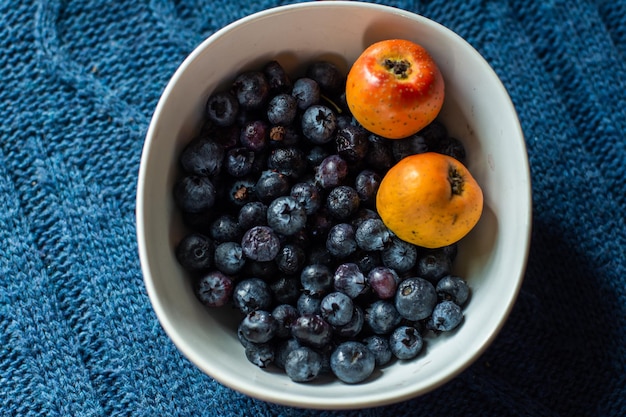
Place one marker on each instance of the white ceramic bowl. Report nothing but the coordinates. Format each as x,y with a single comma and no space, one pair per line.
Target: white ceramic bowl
477,109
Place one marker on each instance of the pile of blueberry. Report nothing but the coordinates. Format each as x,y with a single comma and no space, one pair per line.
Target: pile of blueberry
278,193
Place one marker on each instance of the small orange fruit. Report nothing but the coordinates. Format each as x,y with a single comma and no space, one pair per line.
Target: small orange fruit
394,88
430,200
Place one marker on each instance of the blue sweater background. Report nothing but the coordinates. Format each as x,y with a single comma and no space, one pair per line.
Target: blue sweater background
79,81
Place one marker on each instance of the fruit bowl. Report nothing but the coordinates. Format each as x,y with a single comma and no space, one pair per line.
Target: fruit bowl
477,109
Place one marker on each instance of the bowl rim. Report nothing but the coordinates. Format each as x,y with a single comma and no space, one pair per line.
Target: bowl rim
141,200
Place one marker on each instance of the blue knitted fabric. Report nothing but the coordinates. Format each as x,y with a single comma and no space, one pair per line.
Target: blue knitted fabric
79,82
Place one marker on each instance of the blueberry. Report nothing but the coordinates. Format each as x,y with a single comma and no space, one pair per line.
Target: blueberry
251,89
260,354
283,349
382,316
379,155
372,235
286,216
354,326
399,255
327,75
252,294
202,156
341,242
401,148
307,195
195,252
415,298
309,303
194,193
222,108
258,326
379,346
291,258
214,289
254,135
252,214
366,185
406,342
260,243
312,330
316,155
433,265
229,258
225,228
342,202
271,185
239,161
303,364
331,172
362,215
306,92
285,315
453,288
352,362
282,109
446,316
433,134
318,124
319,224
289,161
316,279
352,143
337,308
349,279
383,281
277,78
241,191
285,289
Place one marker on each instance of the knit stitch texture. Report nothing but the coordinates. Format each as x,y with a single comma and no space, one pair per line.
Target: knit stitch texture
79,82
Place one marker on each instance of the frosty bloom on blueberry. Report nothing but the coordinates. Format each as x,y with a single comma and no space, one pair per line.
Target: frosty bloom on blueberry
279,193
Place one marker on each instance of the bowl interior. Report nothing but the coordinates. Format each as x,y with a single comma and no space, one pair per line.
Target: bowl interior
477,110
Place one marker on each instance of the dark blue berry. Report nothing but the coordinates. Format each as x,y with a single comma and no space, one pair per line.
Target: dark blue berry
453,288
312,330
341,242
283,349
289,161
239,161
399,255
271,185
291,258
277,78
406,342
307,195
255,135
303,364
331,172
415,298
285,289
195,252
225,229
260,243
306,92
349,279
372,235
362,215
337,308
258,326
352,362
327,75
382,317
316,279
366,260
202,156
446,316
260,354
401,148
214,289
282,109
316,155
366,185
286,216
379,155
285,315
194,193
379,346
252,214
319,124
229,258
309,303
241,191
342,202
222,108
383,282
352,143
251,89
252,294
433,265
